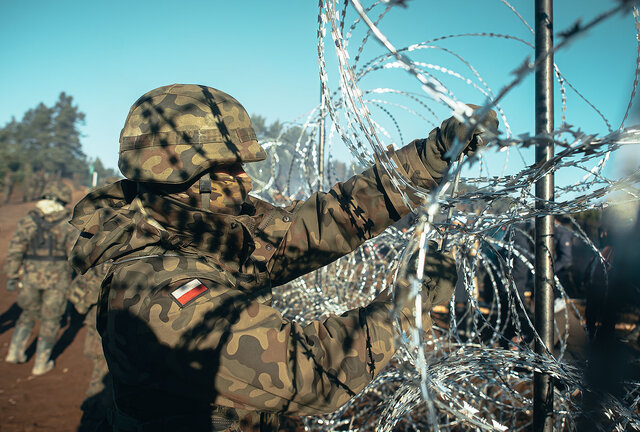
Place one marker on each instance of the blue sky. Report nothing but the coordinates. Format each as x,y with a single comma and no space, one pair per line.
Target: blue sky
108,53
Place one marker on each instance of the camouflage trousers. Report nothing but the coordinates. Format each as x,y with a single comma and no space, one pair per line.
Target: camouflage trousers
97,406
47,305
93,350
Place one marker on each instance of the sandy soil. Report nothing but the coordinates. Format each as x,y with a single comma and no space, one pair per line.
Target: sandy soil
50,402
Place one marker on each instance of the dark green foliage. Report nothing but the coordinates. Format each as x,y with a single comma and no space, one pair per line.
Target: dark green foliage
46,141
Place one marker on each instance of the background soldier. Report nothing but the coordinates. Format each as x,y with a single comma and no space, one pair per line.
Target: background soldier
84,294
188,330
38,251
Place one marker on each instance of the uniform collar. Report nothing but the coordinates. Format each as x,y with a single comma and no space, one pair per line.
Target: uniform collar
226,238
116,221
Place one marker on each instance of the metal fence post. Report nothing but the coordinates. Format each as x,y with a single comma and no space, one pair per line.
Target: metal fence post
544,282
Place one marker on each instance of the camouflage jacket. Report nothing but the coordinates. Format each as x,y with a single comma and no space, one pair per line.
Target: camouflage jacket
39,248
185,311
85,289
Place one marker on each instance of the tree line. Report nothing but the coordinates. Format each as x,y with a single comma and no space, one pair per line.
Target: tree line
46,144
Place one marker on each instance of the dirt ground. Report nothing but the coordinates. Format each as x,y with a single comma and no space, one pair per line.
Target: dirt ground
50,402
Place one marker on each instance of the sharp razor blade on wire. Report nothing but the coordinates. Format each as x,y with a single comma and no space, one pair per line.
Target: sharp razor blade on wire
467,382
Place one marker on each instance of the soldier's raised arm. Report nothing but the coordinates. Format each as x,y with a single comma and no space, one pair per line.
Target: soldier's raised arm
329,225
185,315
272,364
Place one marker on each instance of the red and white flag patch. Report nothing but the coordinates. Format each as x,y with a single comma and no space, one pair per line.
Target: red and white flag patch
189,291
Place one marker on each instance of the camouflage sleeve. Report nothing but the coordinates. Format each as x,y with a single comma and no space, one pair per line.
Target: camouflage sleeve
270,364
330,225
85,289
70,240
18,246
81,294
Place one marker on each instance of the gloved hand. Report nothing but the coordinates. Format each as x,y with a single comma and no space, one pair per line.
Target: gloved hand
441,139
77,296
438,283
12,284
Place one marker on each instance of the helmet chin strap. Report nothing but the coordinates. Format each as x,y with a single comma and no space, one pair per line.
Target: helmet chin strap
204,187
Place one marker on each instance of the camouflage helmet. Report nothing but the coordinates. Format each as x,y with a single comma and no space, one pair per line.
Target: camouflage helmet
174,133
57,190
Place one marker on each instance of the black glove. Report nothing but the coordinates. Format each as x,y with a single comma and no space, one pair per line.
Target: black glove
441,139
438,284
440,276
12,284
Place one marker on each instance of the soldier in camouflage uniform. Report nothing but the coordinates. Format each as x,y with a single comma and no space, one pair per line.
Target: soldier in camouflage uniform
38,251
83,295
187,328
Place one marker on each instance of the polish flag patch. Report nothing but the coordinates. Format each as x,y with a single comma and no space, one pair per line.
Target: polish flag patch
188,292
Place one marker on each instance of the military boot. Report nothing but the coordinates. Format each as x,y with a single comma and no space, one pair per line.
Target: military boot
19,341
43,357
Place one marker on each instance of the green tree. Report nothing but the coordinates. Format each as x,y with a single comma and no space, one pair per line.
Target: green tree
46,142
259,125
33,136
9,154
65,151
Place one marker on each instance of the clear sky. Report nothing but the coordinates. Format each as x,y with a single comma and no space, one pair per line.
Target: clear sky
108,53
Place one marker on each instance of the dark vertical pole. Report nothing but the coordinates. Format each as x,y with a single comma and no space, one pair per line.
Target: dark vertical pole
321,139
544,283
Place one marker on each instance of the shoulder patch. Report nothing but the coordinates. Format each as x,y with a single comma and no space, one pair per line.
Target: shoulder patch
188,292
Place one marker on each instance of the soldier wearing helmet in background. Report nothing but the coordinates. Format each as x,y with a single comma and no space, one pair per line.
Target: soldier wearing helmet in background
185,314
83,294
37,266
